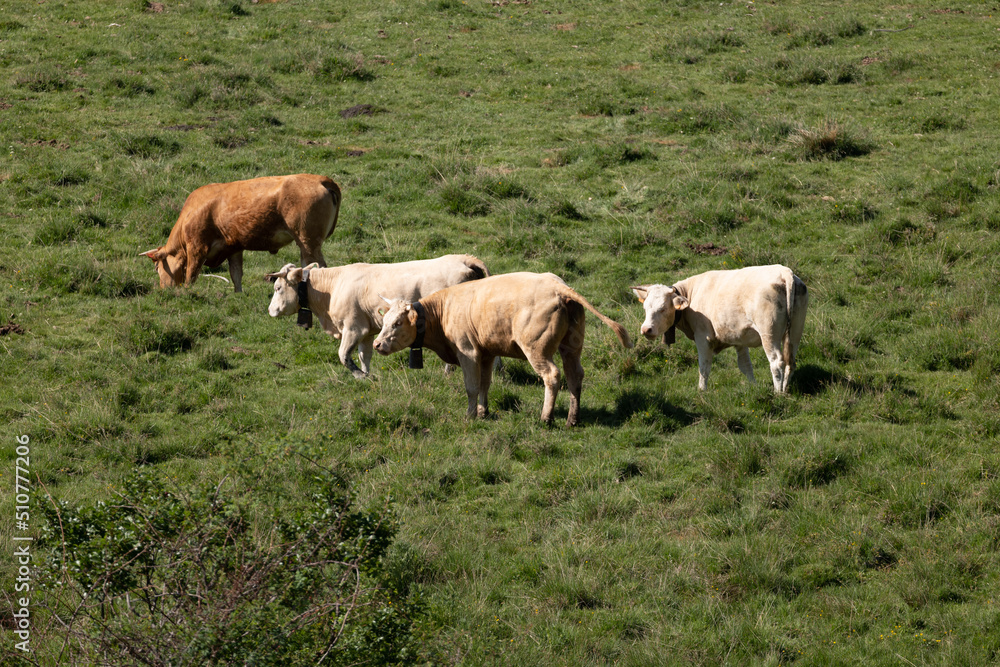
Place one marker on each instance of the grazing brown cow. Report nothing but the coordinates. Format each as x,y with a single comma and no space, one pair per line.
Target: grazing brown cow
520,315
220,220
752,307
346,298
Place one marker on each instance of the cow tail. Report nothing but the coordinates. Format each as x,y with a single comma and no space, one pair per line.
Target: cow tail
786,347
335,195
619,330
478,268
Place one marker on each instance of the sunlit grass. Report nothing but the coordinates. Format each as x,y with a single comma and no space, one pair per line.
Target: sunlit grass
852,521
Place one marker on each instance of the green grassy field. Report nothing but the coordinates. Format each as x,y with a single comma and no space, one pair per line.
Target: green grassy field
854,521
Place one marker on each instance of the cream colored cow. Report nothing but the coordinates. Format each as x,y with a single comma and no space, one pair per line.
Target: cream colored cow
759,306
346,299
520,315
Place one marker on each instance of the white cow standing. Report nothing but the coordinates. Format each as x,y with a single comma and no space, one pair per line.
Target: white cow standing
759,306
347,299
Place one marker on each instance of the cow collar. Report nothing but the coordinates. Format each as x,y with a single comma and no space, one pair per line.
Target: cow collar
416,347
302,290
670,335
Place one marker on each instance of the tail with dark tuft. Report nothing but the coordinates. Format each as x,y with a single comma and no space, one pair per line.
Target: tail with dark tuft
335,194
478,268
619,330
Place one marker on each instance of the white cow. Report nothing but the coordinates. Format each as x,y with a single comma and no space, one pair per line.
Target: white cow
752,307
346,299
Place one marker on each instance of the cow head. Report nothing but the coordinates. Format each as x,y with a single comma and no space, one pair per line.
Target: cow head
286,299
399,327
170,267
661,304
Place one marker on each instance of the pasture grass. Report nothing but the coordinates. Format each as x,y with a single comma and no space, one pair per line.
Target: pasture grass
855,520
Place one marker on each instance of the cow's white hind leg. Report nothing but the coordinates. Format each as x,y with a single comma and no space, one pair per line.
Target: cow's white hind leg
777,367
743,360
771,341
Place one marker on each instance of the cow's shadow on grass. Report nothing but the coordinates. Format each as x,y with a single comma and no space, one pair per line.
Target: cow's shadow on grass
810,379
518,372
655,409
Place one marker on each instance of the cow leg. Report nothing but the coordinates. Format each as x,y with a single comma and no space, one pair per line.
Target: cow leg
778,373
365,349
788,359
470,368
195,260
549,373
311,253
705,356
743,360
791,348
236,270
772,348
348,342
485,379
574,382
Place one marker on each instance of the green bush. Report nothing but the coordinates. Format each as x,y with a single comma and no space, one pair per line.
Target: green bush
160,577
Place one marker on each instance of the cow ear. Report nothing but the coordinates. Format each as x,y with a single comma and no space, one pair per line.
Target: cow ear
381,312
640,292
294,275
412,315
680,303
273,277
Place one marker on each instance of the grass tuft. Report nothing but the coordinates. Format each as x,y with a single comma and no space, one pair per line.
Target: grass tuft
42,79
829,141
148,146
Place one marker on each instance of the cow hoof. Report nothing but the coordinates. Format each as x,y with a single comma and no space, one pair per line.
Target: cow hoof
361,375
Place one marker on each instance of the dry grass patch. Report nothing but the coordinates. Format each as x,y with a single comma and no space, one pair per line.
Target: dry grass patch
830,141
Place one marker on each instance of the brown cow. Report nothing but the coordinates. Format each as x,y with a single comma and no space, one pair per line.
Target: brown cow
519,315
220,220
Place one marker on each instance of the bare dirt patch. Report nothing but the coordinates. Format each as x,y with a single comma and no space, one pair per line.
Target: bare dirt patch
707,249
51,143
11,327
361,110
